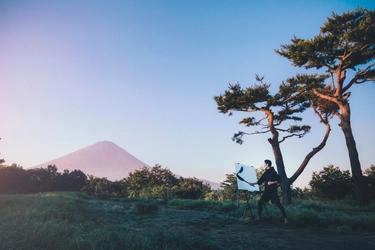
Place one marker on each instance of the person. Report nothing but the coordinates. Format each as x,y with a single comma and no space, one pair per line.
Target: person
270,179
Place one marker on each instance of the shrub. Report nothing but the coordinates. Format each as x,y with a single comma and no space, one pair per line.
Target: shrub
144,207
331,184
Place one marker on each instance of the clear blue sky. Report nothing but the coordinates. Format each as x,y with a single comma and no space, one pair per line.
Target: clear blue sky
143,74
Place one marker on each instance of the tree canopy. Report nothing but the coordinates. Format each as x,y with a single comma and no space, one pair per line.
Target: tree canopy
345,43
277,109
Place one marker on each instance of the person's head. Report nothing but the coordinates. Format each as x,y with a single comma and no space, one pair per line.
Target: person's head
267,164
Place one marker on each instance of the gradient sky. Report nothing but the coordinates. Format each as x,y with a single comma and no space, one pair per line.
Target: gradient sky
143,74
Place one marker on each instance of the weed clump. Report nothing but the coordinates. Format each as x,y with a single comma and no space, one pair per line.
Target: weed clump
144,207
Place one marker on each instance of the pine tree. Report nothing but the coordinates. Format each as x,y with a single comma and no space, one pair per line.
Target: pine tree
345,43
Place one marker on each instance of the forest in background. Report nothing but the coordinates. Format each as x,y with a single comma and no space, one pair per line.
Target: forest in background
329,184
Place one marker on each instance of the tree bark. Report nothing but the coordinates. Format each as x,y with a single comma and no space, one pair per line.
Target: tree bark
274,141
311,154
357,176
285,186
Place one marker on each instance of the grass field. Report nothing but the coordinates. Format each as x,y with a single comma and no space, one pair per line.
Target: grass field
67,220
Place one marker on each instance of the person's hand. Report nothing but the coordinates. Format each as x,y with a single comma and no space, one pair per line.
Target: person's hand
271,183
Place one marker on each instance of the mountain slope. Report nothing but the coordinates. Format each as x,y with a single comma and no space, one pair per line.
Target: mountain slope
102,159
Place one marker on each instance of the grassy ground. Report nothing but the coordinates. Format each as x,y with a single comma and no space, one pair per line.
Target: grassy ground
76,221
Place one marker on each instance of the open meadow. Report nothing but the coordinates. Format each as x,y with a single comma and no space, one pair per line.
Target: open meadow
73,220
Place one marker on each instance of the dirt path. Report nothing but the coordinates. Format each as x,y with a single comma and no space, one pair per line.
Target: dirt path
232,233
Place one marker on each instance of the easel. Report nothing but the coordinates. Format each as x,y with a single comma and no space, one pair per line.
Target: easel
246,178
248,195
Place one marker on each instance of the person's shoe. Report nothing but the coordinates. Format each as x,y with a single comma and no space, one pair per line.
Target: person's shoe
258,218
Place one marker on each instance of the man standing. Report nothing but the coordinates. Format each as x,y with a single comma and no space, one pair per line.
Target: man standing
270,179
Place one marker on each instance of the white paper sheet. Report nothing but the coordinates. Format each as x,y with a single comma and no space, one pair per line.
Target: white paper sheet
248,174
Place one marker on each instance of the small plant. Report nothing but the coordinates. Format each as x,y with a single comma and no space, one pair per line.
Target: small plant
144,207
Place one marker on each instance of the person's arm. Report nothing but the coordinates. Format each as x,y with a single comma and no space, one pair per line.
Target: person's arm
278,180
259,182
272,183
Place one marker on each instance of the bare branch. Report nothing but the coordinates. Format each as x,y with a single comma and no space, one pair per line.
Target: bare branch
291,135
346,96
346,56
318,113
324,96
311,154
296,95
355,79
333,80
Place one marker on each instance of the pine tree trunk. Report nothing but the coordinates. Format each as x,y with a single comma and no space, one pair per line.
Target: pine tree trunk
285,186
287,193
357,176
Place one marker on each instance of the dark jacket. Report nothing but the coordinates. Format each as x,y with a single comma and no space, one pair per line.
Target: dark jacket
269,175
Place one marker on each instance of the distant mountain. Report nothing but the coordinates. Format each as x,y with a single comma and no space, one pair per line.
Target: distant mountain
214,185
102,159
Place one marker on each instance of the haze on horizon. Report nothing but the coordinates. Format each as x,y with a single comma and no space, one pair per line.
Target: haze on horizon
142,74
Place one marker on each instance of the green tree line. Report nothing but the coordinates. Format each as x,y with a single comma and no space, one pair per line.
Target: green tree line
15,179
332,184
329,184
155,182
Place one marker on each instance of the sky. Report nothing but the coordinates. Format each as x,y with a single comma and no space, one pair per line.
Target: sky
143,74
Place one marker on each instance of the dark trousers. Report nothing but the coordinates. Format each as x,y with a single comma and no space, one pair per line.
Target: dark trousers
274,199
